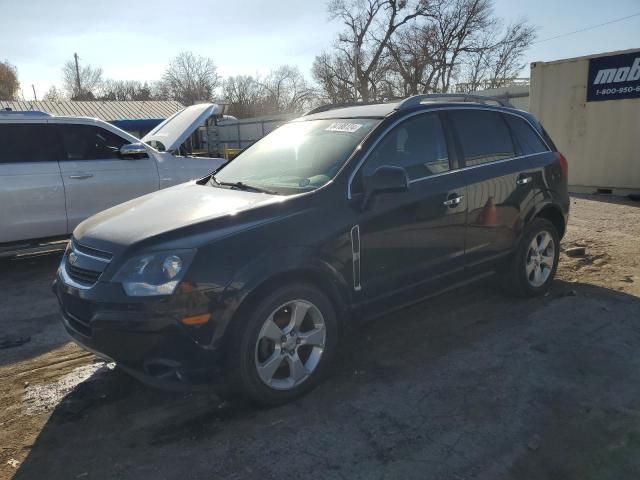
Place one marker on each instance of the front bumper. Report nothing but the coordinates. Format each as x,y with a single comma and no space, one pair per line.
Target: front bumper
145,336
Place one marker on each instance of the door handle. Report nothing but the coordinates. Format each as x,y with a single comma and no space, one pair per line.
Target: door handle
523,180
81,176
453,201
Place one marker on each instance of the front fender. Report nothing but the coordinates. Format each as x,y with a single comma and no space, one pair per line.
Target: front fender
283,263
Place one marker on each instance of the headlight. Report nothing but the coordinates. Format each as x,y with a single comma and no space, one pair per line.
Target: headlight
156,273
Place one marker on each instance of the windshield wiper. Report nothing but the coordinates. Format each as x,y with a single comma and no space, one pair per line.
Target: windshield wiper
243,186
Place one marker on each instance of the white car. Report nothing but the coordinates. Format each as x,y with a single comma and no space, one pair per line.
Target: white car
57,171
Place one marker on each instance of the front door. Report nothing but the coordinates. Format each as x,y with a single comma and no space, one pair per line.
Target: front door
411,238
95,177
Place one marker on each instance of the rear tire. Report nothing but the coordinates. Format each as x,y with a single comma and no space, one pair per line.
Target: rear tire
282,348
533,265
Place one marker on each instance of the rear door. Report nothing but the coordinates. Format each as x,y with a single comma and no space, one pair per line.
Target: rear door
95,176
408,239
32,203
499,183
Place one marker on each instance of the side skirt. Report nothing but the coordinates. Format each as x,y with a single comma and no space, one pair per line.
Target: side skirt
367,314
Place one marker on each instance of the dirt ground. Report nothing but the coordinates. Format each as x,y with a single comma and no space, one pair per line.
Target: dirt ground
473,384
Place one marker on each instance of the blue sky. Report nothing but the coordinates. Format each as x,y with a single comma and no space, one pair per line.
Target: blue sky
135,39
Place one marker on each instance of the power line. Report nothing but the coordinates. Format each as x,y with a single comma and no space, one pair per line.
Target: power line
587,28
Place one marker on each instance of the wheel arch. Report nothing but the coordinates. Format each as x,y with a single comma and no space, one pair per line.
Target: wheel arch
543,206
320,276
554,215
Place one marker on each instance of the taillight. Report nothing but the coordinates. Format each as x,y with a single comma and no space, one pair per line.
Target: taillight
564,165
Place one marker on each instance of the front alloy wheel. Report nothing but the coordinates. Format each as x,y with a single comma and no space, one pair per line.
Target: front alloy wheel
290,344
281,344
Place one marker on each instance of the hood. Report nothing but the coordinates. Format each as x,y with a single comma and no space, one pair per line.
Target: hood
164,211
176,129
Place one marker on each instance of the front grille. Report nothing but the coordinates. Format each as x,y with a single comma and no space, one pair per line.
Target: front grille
83,265
82,275
91,251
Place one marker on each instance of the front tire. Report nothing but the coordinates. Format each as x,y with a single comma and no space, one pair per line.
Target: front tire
282,349
535,261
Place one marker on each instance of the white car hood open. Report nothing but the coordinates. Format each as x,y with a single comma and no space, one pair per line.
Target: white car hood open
176,129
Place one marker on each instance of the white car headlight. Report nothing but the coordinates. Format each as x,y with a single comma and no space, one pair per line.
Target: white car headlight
156,273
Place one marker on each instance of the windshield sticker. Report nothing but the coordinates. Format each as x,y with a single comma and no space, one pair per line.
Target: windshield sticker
343,127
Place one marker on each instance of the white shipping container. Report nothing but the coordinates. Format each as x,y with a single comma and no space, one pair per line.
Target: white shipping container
601,138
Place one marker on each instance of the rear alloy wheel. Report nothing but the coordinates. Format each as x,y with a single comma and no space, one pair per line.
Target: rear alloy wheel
535,260
540,259
282,349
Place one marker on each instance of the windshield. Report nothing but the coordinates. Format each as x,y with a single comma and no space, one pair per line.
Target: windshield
298,156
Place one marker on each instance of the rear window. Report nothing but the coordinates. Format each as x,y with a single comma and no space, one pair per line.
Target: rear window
484,136
529,142
25,142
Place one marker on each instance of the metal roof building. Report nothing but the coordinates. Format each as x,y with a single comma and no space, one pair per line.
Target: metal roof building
104,110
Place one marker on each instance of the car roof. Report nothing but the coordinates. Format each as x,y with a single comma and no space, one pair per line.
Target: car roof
418,102
376,110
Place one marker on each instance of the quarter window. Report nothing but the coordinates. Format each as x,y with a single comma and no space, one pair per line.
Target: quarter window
484,136
528,140
418,145
26,142
86,142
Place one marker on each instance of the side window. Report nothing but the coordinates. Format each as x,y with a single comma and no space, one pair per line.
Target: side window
417,144
526,138
86,142
26,142
484,136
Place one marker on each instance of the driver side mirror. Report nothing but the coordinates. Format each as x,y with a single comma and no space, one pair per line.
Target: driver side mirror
132,151
386,178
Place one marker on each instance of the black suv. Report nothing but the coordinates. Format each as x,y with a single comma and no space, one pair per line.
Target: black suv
249,278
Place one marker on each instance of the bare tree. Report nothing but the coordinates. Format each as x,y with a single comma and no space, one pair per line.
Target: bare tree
190,78
125,90
459,25
335,75
506,58
9,85
159,91
285,90
498,59
53,95
370,24
244,95
81,83
414,53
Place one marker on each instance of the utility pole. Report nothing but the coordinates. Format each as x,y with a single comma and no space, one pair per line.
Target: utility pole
78,91
35,97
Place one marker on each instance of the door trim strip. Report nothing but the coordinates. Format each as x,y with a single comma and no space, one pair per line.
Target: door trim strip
355,254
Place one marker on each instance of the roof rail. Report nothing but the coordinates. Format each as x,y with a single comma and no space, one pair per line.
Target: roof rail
333,106
460,97
26,113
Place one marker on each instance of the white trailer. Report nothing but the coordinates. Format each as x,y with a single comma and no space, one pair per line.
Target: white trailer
591,108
